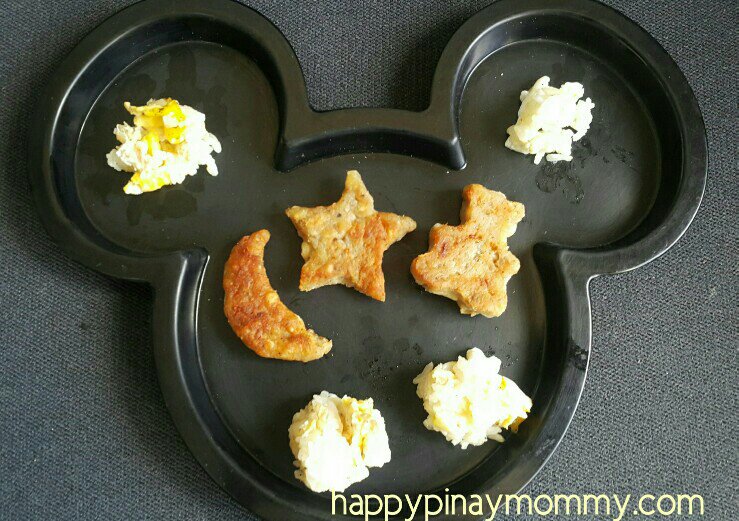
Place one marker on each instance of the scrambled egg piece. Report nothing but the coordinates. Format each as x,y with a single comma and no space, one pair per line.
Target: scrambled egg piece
166,143
335,440
468,401
544,117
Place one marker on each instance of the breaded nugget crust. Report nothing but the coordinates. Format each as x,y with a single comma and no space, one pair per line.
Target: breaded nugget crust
344,243
255,311
471,263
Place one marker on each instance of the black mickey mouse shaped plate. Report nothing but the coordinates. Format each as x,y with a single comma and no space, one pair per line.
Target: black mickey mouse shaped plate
631,190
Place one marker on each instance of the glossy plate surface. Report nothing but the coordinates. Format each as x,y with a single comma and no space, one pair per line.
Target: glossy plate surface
632,189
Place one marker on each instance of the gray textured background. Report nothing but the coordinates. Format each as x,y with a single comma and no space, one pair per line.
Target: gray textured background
84,433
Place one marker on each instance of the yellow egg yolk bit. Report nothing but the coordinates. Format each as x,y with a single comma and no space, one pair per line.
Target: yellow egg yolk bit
158,137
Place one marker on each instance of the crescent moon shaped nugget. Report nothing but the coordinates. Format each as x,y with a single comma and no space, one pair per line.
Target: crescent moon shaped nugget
471,263
255,311
344,243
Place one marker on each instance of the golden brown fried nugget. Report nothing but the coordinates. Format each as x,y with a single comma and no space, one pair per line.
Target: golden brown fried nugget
344,243
470,263
255,311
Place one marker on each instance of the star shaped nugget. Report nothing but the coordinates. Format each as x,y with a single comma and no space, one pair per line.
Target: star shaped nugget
344,243
470,263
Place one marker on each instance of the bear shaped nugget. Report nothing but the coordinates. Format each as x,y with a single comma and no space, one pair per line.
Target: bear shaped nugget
470,263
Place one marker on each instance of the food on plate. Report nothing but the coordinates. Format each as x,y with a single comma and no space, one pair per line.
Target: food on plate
255,311
335,440
549,120
471,263
469,402
166,143
344,243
